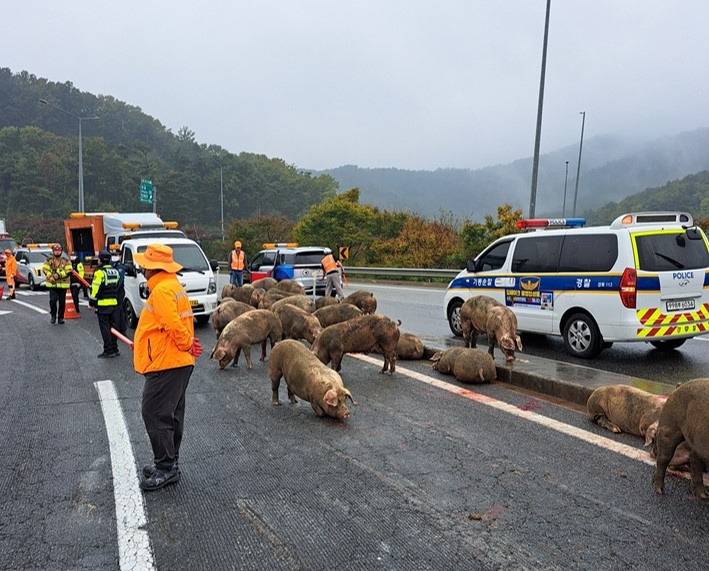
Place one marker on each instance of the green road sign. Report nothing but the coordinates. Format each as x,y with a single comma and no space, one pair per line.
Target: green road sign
145,191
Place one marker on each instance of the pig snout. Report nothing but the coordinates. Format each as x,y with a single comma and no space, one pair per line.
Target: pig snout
343,413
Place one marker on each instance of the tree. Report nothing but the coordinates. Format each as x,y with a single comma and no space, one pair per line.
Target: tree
476,236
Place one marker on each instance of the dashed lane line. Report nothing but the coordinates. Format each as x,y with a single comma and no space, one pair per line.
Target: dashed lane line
134,549
34,307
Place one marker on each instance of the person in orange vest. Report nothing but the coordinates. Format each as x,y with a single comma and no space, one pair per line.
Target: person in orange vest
10,271
333,275
237,264
164,350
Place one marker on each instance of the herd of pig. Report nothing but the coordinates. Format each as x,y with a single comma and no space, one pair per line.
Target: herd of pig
676,428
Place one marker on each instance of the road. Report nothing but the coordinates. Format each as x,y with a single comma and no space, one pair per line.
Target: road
422,476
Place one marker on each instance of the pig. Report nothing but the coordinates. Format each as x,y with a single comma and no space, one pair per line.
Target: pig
359,335
325,301
364,300
272,296
473,317
256,296
685,417
501,328
302,301
443,361
290,286
227,310
474,366
620,408
411,348
331,314
297,323
255,326
306,377
242,293
264,283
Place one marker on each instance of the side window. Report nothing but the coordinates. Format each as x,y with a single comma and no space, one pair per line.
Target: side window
537,254
127,255
269,259
494,258
588,253
257,262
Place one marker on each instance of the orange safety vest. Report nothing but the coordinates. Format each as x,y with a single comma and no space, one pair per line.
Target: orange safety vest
165,330
237,260
329,264
10,270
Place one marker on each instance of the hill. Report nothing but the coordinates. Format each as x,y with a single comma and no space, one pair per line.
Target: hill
612,168
690,194
39,148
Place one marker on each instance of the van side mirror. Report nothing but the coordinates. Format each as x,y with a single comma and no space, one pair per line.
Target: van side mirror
130,269
214,264
693,234
23,262
471,266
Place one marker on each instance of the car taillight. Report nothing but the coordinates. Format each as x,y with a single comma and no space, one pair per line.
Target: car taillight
629,288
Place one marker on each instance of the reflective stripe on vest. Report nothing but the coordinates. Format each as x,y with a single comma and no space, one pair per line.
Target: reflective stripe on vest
329,264
237,260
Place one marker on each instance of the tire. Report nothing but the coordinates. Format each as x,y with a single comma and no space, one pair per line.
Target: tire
130,316
582,337
668,345
454,317
202,320
30,282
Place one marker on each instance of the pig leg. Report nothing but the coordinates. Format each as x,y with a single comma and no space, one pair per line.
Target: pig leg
696,468
336,360
491,345
472,339
316,409
291,397
602,421
236,357
389,362
247,355
666,443
275,383
263,349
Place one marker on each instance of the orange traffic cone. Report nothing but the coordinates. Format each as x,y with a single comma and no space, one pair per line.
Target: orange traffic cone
69,309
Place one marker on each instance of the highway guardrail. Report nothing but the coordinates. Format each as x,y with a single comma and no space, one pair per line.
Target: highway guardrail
390,272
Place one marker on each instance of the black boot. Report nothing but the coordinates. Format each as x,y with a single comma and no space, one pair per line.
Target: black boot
159,479
149,469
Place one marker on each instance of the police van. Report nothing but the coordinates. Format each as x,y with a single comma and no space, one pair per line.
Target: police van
643,278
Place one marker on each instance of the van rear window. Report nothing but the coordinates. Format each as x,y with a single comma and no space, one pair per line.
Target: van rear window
670,252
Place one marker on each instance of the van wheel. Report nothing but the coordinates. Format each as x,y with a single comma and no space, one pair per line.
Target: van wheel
582,337
454,317
129,312
667,345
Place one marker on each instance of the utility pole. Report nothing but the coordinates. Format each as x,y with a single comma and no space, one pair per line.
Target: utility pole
538,136
221,194
155,199
566,179
578,165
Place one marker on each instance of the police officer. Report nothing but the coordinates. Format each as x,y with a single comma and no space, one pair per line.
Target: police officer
105,291
75,283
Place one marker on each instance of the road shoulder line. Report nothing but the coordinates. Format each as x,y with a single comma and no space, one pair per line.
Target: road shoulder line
31,306
134,549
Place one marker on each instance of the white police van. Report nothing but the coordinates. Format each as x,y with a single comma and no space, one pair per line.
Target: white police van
643,278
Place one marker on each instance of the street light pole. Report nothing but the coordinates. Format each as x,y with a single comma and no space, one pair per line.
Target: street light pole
538,136
221,194
566,179
81,153
578,165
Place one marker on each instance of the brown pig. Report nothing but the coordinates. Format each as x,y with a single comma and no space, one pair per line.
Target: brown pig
331,314
501,327
255,326
304,302
359,335
272,296
306,377
474,366
242,294
227,310
325,301
443,361
365,300
620,408
685,417
473,317
290,286
411,348
256,296
297,323
264,283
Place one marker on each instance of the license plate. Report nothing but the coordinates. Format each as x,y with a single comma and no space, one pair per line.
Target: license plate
194,302
680,304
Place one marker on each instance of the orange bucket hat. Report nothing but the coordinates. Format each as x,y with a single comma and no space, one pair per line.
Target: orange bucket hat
158,257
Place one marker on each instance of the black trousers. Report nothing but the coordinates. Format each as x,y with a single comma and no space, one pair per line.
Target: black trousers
107,318
57,301
164,413
75,296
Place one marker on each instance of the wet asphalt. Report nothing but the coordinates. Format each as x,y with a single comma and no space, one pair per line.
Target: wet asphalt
417,478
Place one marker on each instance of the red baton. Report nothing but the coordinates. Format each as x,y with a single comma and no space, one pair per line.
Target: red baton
118,335
81,280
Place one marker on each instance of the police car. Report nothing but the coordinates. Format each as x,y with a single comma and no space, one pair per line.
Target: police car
30,260
643,278
290,261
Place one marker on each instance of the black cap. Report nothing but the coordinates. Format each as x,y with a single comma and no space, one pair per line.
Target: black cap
104,256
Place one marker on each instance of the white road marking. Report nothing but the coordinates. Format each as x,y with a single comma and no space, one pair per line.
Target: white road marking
25,304
134,549
5,312
29,293
706,339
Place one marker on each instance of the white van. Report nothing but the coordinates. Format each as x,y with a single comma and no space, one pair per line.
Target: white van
197,277
643,278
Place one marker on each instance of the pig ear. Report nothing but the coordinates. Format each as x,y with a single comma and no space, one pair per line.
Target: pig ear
331,397
518,340
211,355
348,395
650,433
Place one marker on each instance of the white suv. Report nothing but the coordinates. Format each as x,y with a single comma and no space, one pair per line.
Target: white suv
643,278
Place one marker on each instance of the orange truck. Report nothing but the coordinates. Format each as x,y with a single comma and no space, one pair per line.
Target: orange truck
87,233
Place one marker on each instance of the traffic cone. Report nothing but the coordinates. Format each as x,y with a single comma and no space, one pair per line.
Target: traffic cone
69,308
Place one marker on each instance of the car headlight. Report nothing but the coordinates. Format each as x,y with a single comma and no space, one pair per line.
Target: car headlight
212,286
143,290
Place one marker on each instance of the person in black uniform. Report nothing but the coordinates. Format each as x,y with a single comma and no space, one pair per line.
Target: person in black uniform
105,292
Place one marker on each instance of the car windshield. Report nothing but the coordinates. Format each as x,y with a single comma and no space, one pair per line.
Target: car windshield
670,252
39,257
7,243
189,256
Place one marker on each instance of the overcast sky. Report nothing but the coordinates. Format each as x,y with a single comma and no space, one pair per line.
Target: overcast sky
405,83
